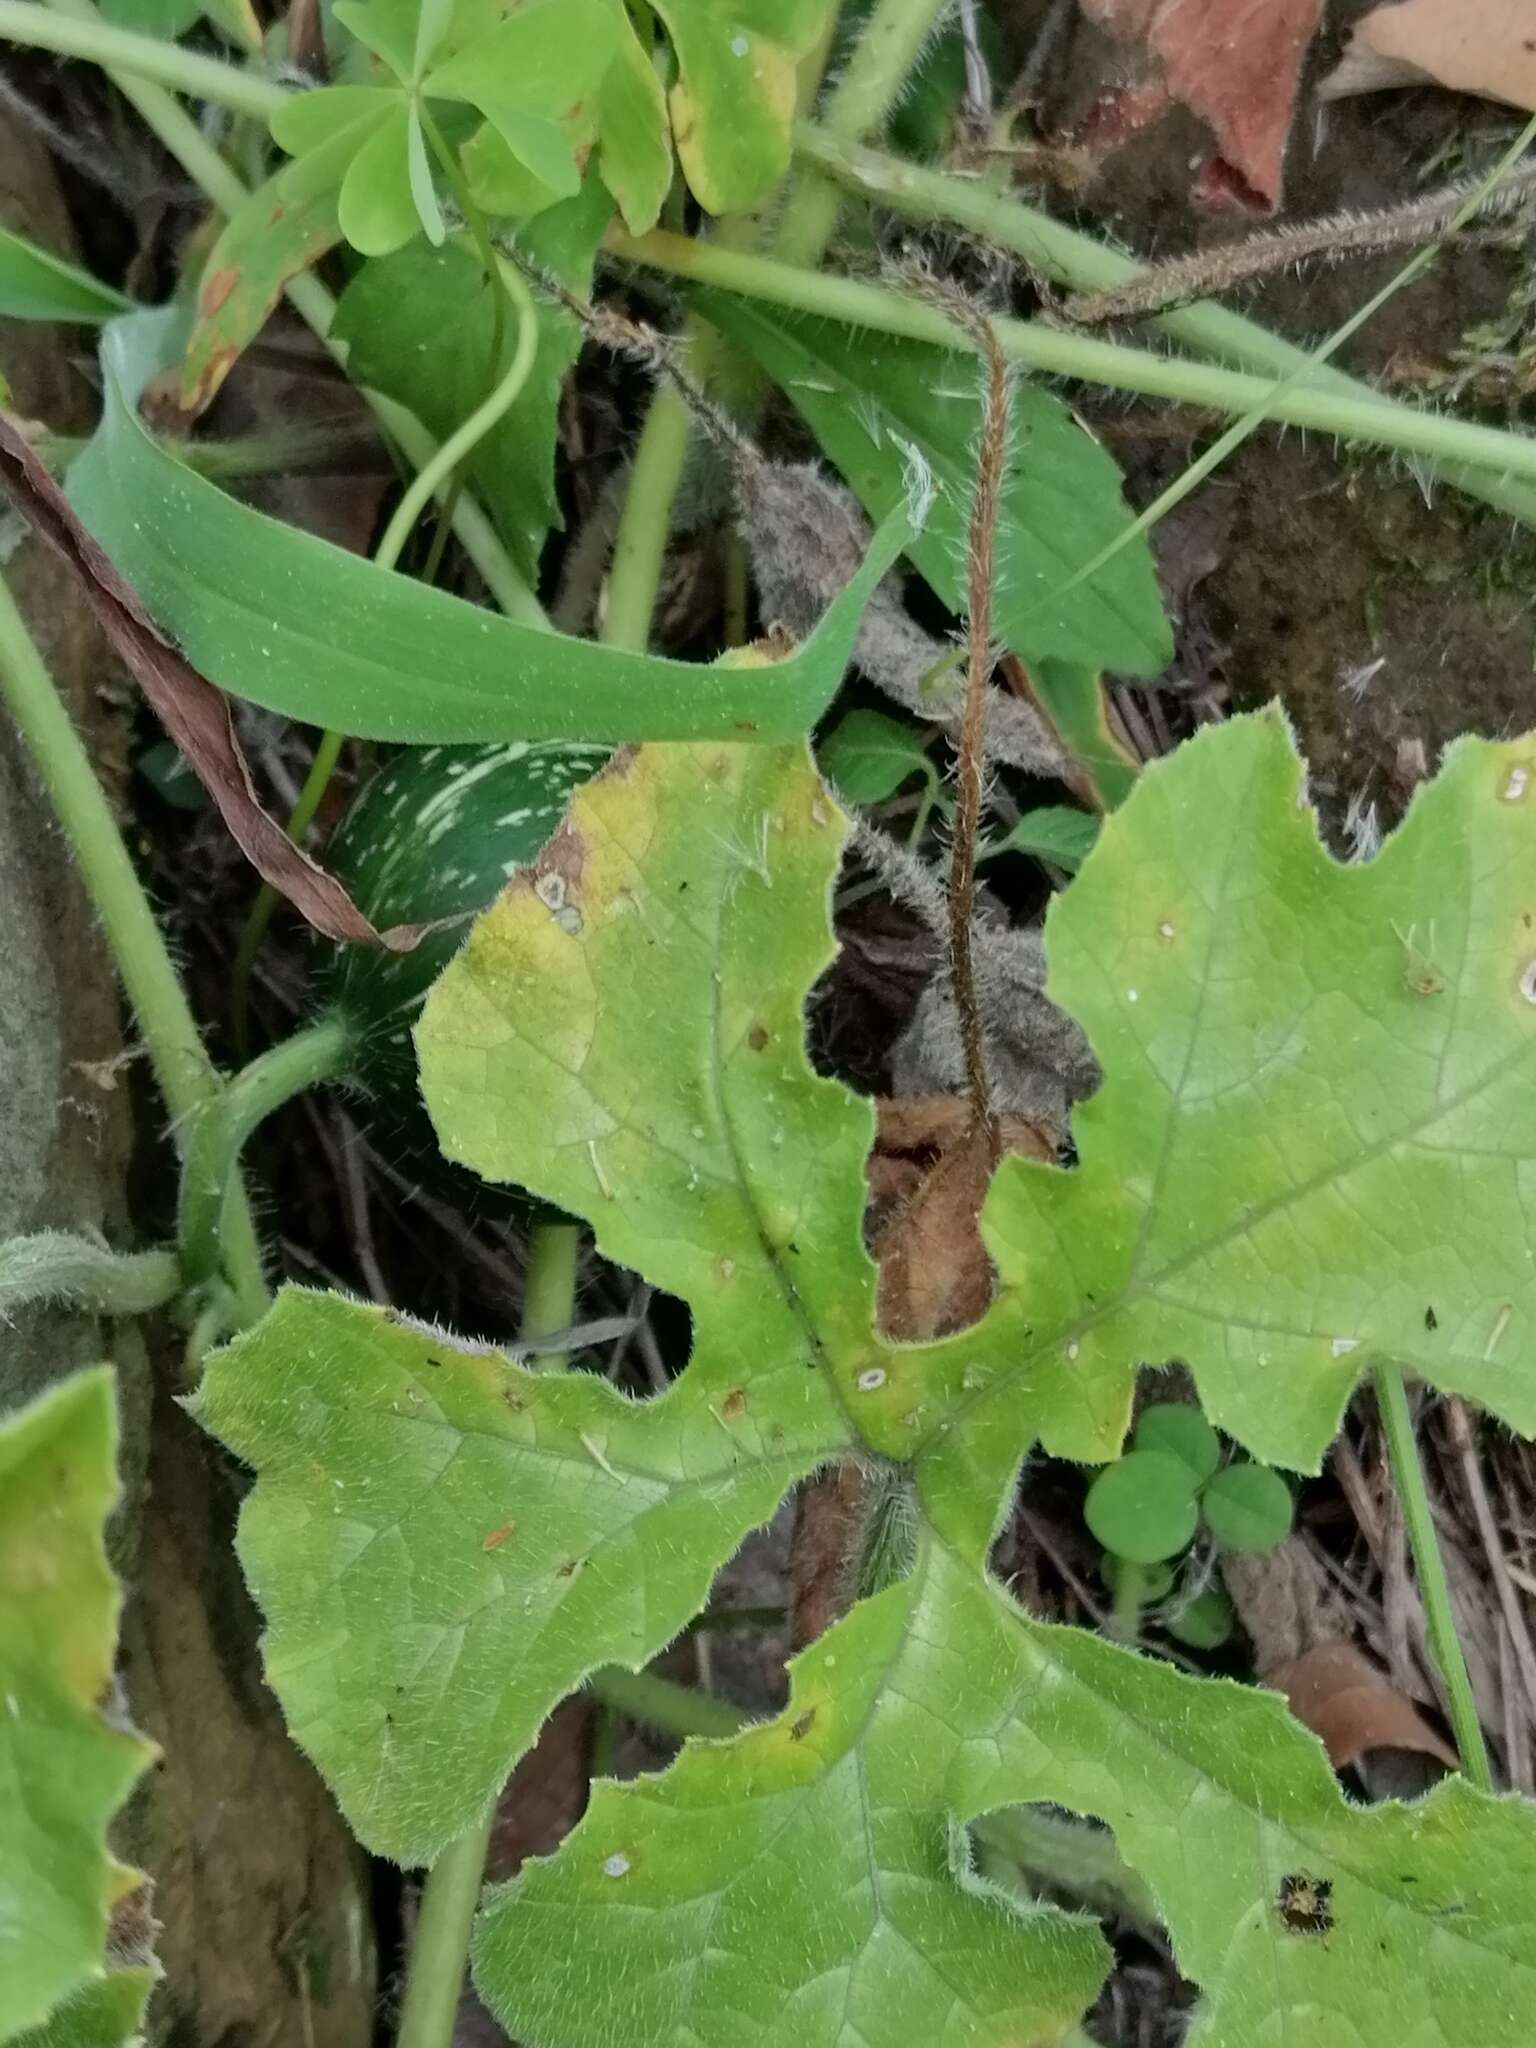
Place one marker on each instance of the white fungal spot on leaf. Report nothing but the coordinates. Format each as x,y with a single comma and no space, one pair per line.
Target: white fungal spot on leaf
615,1866
1515,788
870,1379
1528,981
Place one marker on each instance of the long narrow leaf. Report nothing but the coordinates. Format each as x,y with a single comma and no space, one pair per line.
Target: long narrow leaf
303,628
35,285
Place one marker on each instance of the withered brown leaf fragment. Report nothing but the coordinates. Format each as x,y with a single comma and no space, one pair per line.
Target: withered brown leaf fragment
1237,63
193,712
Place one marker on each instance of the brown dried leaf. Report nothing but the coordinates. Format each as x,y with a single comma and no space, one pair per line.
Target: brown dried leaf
935,1275
1236,63
1354,1707
193,712
1481,46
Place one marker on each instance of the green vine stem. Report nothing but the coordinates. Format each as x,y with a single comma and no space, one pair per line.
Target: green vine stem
185,1074
1069,257
645,522
435,1979
888,44
1060,353
71,33
55,1265
677,1709
1429,1570
219,1128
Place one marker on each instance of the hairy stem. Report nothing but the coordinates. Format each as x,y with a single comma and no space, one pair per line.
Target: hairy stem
888,47
1072,258
183,1070
1429,1570
218,1131
1062,354
676,1709
970,756
55,1265
640,545
440,1950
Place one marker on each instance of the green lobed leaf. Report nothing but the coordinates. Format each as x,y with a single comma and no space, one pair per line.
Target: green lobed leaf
1142,1507
535,77
784,1887
444,1544
869,397
37,285
419,325
734,102
1299,1159
65,1767
801,1886
1247,1507
264,243
310,630
376,207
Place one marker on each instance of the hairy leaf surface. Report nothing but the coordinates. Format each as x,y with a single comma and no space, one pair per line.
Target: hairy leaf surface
1314,1144
444,1544
801,1886
798,1883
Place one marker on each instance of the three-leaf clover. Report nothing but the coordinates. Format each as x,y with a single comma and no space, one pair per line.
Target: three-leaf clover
1147,1505
532,77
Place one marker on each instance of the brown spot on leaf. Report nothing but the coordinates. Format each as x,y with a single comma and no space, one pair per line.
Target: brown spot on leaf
757,1037
734,1406
498,1536
569,1569
216,289
802,1727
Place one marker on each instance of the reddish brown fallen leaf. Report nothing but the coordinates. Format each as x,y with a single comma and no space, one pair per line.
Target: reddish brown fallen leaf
1236,63
193,712
1481,46
1355,1708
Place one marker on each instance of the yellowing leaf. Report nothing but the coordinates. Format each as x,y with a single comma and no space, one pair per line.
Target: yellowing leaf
65,1765
735,99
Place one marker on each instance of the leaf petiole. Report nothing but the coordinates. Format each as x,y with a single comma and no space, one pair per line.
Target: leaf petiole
1429,1570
